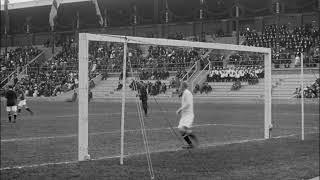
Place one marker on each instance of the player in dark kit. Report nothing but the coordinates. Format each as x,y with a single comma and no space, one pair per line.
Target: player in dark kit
144,98
11,97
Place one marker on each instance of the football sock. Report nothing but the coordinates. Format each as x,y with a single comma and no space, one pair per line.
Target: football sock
193,137
14,116
9,117
28,109
19,110
186,138
270,131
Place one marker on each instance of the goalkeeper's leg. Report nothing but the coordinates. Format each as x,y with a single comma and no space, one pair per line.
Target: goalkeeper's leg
145,107
189,137
9,116
29,110
270,130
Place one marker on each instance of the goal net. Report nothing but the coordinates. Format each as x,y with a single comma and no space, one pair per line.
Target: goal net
217,74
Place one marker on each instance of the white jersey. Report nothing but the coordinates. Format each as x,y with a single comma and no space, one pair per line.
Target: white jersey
187,114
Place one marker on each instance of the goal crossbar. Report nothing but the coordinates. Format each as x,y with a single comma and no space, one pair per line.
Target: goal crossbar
84,39
172,42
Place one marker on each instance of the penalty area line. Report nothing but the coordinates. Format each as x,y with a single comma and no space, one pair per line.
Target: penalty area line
142,153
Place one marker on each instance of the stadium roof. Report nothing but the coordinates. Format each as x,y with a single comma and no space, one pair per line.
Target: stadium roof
35,3
120,12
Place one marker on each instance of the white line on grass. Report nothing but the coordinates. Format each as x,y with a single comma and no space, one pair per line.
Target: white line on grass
113,132
141,153
135,130
107,114
134,112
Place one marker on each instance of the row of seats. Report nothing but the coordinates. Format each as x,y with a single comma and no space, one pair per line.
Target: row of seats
287,43
15,60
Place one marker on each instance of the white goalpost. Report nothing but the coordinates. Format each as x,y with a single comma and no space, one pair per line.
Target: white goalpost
84,39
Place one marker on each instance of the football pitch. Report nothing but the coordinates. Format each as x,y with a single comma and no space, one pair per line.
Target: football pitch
49,137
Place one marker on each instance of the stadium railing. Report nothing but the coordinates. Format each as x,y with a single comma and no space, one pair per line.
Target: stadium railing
196,80
190,72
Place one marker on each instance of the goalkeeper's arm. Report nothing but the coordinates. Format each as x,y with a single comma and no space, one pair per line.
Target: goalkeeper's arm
185,105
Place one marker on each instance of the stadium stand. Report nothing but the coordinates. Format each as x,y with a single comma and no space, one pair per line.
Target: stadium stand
59,73
15,60
287,44
310,91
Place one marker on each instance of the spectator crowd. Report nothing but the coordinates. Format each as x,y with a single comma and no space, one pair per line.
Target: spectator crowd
241,73
153,89
312,91
204,88
60,73
15,60
154,75
287,43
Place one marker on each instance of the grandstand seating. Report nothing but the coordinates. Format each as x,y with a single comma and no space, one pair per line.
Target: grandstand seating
283,87
15,61
286,44
223,90
107,89
59,70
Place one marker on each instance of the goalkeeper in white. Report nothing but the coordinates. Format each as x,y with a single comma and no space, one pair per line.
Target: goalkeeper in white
187,116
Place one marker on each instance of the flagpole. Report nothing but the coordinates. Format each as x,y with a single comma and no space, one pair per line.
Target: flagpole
237,23
52,16
134,20
166,20
105,24
6,26
77,28
6,42
52,38
201,17
98,13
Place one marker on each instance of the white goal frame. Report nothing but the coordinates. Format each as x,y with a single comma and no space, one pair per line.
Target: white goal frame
84,39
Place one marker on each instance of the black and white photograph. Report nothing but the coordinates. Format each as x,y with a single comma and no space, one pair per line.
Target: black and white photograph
160,90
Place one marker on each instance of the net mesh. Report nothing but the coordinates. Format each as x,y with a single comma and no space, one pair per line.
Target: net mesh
214,76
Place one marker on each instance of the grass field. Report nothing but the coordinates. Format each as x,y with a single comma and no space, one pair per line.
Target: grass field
229,134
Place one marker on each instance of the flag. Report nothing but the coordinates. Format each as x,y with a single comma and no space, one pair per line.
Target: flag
166,4
98,13
28,20
6,14
78,20
54,11
105,18
134,14
166,12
